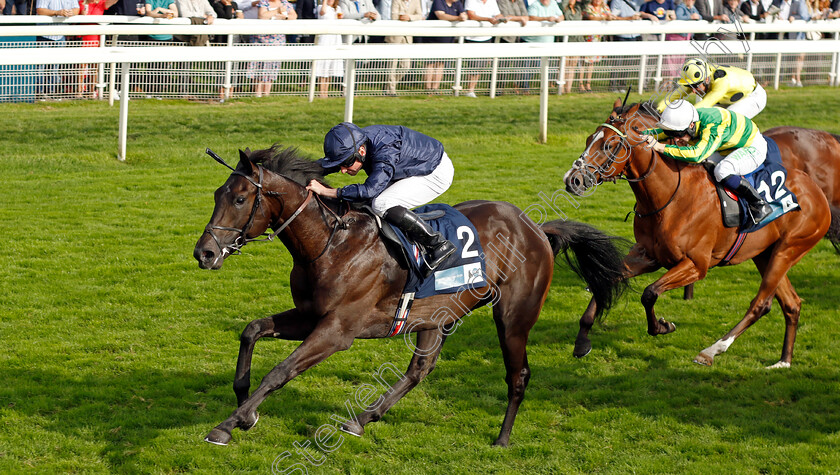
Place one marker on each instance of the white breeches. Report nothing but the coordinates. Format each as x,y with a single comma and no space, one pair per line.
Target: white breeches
416,190
744,160
751,105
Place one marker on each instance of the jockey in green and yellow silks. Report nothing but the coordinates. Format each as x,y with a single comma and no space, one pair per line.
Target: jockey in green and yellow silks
730,139
726,86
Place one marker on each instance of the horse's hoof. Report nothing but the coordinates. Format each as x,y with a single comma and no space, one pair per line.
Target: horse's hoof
582,348
704,359
218,437
353,428
780,364
250,422
500,443
669,327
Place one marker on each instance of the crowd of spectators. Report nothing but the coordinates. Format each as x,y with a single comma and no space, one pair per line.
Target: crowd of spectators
579,70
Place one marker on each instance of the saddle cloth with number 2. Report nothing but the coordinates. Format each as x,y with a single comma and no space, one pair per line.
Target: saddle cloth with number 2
465,268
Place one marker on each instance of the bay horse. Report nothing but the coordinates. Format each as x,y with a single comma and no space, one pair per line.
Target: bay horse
678,226
817,153
346,283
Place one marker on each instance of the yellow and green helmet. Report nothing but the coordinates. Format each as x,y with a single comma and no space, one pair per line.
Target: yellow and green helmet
693,72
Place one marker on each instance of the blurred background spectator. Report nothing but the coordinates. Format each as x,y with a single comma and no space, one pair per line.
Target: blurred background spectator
52,75
326,69
479,10
264,73
446,10
596,10
402,10
572,11
86,87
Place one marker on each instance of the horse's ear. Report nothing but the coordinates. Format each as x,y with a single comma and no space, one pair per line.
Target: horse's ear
245,165
245,154
617,103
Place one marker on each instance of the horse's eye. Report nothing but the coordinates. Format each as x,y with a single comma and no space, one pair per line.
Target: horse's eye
239,200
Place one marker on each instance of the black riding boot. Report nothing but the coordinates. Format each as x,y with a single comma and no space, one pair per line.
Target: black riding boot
759,209
437,248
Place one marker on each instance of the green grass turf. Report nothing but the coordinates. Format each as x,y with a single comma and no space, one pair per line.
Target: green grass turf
118,352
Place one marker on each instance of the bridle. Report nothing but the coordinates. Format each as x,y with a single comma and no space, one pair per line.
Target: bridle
622,175
243,239
611,158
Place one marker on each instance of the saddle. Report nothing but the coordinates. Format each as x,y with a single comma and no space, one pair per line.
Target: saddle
769,179
389,235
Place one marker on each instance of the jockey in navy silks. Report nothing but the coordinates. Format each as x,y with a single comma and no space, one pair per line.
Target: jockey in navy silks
405,169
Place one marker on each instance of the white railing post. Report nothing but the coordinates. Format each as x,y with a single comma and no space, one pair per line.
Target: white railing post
561,81
642,68
459,63
100,73
544,99
494,74
350,89
124,110
750,54
657,78
112,77
227,84
835,70
778,71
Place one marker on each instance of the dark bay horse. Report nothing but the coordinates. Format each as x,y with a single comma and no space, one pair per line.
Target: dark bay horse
678,226
346,284
817,153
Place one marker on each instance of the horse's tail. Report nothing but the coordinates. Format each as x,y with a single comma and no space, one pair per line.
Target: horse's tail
597,259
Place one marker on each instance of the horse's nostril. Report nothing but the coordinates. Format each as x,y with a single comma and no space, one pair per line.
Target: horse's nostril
208,255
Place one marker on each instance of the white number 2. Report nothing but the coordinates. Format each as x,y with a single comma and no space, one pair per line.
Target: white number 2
777,179
466,253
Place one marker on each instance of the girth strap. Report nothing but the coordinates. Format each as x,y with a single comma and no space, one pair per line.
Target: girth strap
401,315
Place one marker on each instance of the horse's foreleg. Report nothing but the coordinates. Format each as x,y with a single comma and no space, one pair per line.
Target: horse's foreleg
429,344
636,263
327,338
288,325
684,273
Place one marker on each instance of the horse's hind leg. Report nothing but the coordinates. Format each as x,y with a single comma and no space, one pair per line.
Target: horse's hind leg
791,305
289,325
328,337
514,321
773,269
429,344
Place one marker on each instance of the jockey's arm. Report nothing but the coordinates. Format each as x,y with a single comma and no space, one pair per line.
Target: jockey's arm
679,92
716,92
710,140
379,179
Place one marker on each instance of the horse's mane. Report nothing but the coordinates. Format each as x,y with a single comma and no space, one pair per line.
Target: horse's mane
647,108
290,163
